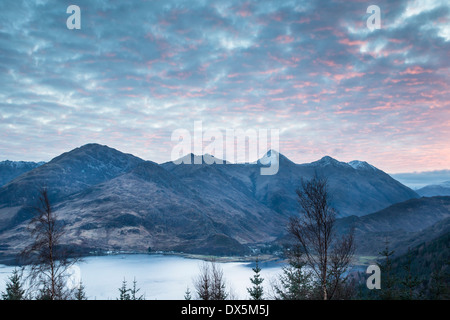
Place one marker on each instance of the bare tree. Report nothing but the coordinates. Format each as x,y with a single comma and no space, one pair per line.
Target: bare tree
218,283
210,284
325,254
202,283
49,263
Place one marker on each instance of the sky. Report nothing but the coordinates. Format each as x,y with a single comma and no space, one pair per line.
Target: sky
137,71
417,180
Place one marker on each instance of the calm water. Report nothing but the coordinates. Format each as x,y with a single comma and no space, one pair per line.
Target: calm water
158,276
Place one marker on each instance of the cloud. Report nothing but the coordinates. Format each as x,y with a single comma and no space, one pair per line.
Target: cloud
417,180
137,70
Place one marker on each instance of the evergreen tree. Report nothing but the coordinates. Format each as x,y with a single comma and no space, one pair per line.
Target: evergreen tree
14,287
134,292
257,291
409,282
80,294
187,294
295,283
388,280
124,291
438,288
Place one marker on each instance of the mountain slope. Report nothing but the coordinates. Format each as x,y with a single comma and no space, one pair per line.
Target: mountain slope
9,170
403,225
70,173
66,174
150,207
427,257
147,207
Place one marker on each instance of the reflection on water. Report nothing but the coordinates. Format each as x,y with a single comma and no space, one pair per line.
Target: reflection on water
158,276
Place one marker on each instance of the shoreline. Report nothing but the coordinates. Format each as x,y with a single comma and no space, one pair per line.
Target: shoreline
359,260
12,261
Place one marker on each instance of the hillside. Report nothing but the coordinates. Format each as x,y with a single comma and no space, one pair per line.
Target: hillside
404,225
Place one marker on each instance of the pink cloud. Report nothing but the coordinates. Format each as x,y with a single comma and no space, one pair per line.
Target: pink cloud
348,75
348,42
270,71
253,107
239,100
284,39
329,63
244,13
291,62
354,89
234,75
305,84
303,20
276,16
415,70
275,91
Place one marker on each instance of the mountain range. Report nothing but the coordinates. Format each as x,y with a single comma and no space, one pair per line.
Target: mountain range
110,200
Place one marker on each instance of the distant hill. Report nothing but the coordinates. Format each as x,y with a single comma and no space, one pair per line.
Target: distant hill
9,170
115,201
417,180
404,225
441,189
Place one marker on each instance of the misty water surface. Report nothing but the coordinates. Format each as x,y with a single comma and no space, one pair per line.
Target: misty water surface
158,276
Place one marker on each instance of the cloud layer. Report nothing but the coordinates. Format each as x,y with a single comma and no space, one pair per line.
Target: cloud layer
138,70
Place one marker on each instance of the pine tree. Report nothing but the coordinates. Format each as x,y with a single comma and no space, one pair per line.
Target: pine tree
388,281
409,282
438,287
187,294
80,293
124,291
14,287
134,292
257,291
295,283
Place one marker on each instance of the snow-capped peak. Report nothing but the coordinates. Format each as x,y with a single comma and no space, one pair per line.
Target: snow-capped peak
327,160
361,165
